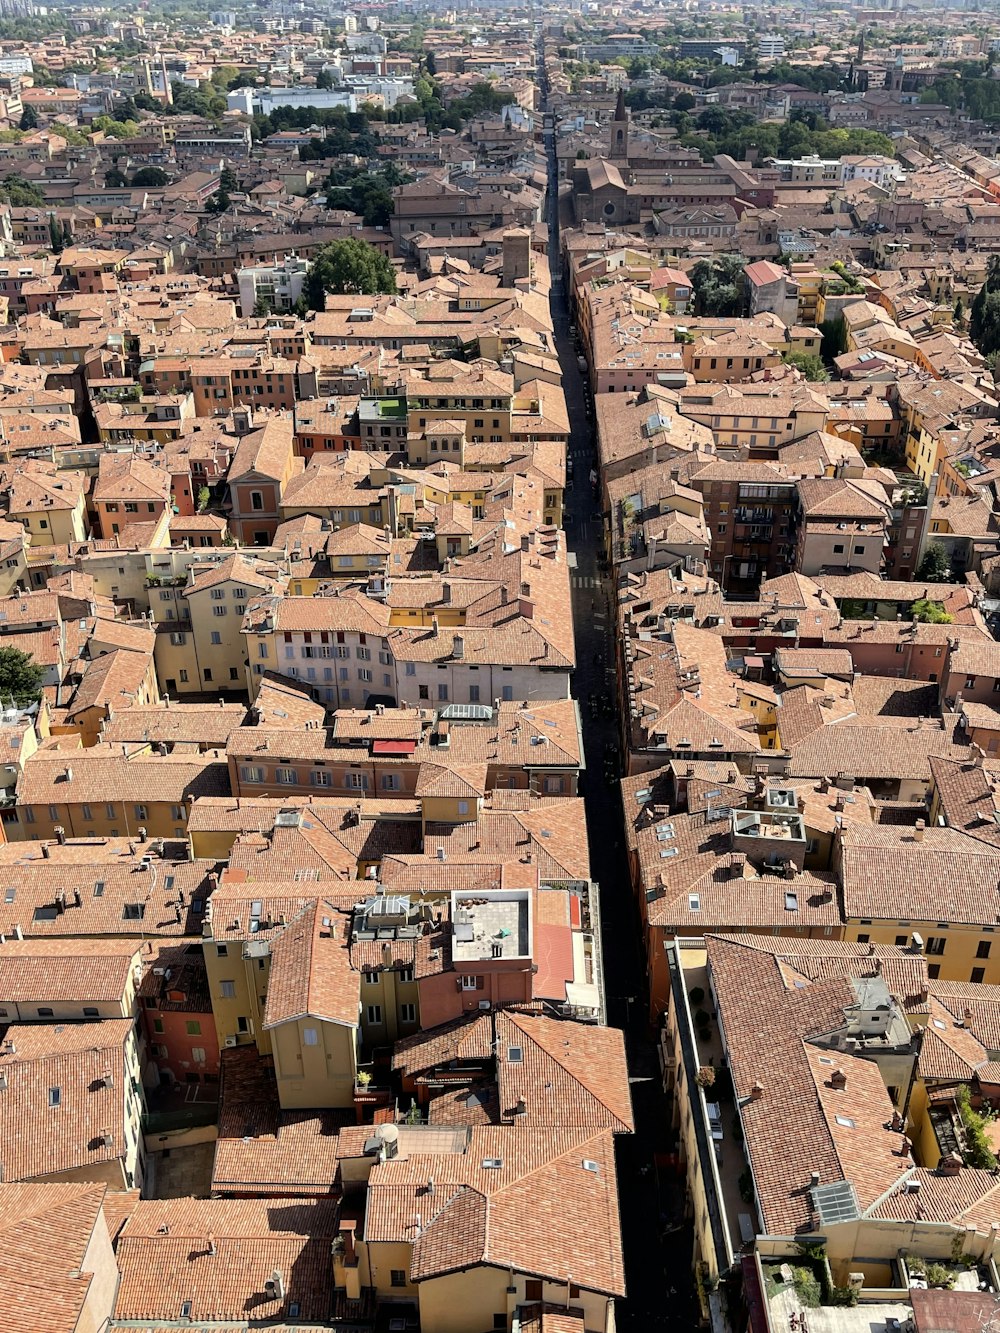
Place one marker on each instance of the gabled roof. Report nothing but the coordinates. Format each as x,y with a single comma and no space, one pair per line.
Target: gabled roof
568,1073
44,1284
511,1215
311,973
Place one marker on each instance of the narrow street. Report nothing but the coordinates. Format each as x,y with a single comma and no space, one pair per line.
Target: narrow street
655,1238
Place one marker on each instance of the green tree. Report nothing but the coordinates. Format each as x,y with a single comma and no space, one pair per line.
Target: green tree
19,193
228,180
262,307
809,363
152,178
934,567
984,320
114,179
958,314
218,202
348,266
20,677
684,102
718,286
55,235
204,495
930,612
29,118
324,79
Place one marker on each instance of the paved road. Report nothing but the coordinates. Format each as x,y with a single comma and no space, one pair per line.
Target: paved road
657,1242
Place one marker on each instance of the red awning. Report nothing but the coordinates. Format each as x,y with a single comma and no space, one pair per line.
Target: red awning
393,747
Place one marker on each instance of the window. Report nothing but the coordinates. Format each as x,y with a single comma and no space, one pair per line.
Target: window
193,1027
141,812
499,1321
406,975
227,989
863,939
371,978
242,1024
983,950
977,975
55,1096
935,944
220,610
217,637
222,950
901,941
397,1277
198,1054
374,1013
157,1024
256,500
45,1013
472,983
310,1037
134,911
933,971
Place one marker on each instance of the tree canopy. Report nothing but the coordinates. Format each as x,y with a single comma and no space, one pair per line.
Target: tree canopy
935,566
20,677
718,285
809,363
150,178
17,192
984,319
350,266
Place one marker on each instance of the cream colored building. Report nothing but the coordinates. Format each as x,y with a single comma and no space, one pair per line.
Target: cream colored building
200,647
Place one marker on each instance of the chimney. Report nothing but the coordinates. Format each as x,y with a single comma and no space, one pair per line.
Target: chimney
435,626
60,833
950,1165
458,647
838,1079
918,830
756,1092
520,1106
45,851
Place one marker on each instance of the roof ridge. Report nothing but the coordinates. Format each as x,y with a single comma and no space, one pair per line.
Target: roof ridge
908,1174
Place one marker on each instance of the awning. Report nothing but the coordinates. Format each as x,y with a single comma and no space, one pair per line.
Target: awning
393,747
